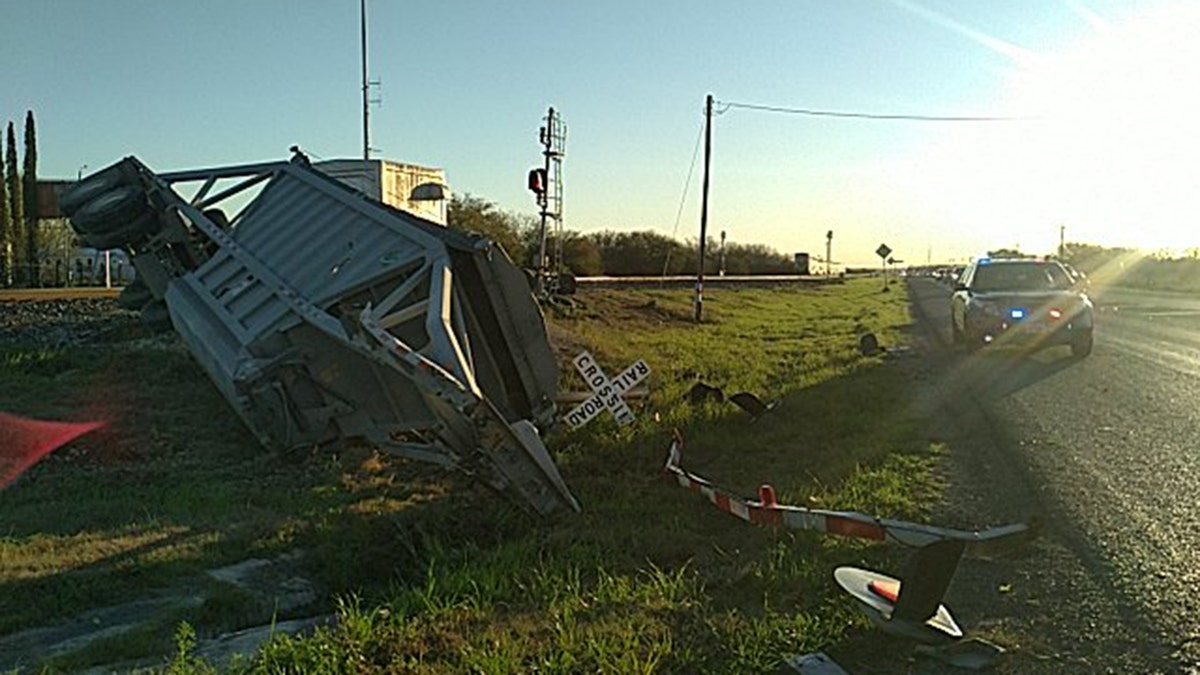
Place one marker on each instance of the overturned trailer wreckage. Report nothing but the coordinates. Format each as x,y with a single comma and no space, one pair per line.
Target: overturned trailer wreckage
323,315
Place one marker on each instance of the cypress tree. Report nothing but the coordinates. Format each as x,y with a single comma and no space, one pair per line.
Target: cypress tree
16,206
5,231
32,255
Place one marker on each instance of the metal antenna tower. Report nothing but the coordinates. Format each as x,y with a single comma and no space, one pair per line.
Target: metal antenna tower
553,138
366,84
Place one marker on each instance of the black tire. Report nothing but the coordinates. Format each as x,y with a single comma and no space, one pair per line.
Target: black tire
111,210
156,317
1081,346
135,296
123,234
89,188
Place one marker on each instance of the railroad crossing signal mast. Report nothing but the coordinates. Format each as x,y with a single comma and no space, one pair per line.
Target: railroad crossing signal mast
829,253
546,185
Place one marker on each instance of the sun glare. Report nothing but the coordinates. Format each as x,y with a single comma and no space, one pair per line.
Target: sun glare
1110,153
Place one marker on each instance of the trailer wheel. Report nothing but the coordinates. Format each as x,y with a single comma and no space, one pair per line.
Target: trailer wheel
110,210
122,234
135,295
89,188
156,317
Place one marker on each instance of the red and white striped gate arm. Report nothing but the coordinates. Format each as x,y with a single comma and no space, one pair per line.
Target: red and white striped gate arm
766,511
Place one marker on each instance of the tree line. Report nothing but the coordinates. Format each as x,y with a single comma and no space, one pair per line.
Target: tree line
608,253
19,240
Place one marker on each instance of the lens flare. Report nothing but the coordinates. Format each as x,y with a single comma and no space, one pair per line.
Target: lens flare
23,442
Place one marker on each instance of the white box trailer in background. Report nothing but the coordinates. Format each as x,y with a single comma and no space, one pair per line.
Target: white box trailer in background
419,190
802,261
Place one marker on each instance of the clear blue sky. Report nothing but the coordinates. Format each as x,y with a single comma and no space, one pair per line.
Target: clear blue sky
465,85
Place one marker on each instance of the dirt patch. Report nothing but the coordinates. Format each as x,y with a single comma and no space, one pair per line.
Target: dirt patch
651,310
565,344
618,308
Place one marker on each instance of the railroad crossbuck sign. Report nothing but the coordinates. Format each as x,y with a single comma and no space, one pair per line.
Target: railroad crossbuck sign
606,393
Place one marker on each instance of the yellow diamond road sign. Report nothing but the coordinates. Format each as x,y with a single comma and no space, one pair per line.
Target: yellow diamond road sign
883,251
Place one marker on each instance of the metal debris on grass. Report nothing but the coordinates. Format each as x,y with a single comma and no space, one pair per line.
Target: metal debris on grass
817,663
701,393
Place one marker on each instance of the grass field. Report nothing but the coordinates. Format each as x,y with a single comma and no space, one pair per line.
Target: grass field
429,573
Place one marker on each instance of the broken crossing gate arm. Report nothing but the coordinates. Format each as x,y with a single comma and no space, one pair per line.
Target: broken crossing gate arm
911,608
766,511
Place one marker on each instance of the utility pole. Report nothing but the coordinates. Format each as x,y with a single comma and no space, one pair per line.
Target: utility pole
708,106
1062,241
362,5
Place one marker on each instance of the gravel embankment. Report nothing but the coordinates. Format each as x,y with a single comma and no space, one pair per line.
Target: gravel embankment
67,322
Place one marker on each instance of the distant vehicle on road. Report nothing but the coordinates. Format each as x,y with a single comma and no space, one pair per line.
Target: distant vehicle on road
948,275
1021,303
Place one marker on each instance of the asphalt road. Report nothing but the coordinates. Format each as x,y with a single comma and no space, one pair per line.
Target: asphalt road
1105,449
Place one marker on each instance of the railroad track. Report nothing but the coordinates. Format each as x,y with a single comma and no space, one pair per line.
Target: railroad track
689,281
18,294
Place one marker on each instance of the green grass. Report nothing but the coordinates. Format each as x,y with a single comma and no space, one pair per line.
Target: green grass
431,574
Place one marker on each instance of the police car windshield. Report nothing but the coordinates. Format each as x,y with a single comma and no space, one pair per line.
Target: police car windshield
1020,276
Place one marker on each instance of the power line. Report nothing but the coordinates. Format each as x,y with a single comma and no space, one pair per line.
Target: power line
867,116
686,184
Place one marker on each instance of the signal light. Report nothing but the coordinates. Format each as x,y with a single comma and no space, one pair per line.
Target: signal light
537,181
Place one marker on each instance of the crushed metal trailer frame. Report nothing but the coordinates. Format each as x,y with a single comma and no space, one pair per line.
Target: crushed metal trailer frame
322,315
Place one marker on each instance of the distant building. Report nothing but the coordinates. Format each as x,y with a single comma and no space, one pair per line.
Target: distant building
48,192
419,190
